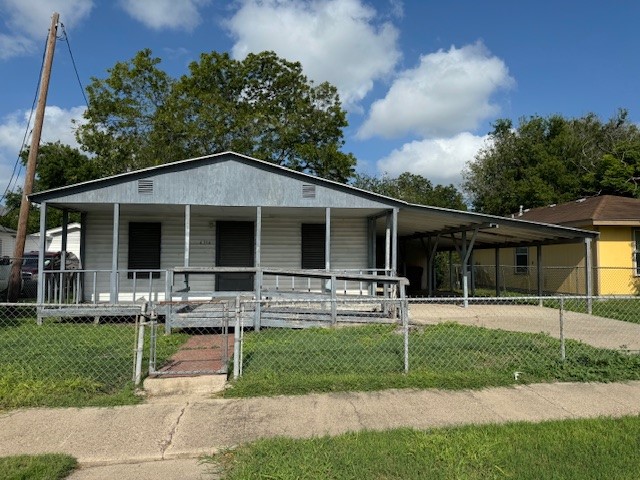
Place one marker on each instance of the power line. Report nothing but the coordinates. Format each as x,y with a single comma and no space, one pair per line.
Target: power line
14,177
73,62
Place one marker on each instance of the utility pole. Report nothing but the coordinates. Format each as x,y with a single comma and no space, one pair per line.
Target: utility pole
15,280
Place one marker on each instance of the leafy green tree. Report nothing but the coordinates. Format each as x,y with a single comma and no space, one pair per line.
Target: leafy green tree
552,160
412,188
121,116
262,106
57,165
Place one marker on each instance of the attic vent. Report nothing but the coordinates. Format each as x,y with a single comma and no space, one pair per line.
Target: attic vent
308,191
145,187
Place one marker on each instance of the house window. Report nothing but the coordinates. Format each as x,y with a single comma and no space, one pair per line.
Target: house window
522,261
636,252
144,249
313,242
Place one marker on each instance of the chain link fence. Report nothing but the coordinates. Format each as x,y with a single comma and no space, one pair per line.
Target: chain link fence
87,357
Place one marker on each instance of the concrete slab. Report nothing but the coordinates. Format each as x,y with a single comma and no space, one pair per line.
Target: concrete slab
187,427
91,435
199,385
191,469
596,331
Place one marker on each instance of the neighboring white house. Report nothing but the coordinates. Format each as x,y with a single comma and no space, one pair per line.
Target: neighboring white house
54,240
8,242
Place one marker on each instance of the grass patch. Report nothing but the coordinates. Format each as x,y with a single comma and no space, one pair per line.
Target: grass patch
70,363
571,449
448,355
50,466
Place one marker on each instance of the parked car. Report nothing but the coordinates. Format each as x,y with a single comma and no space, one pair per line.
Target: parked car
5,272
52,261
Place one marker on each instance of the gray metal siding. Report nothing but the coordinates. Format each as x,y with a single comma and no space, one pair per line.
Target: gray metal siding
218,183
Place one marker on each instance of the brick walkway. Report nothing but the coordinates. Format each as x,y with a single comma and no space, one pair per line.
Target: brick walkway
201,353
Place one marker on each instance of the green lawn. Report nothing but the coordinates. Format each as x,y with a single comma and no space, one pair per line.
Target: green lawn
282,361
568,450
70,363
49,466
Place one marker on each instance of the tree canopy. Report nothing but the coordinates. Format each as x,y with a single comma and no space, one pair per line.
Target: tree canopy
412,188
58,165
553,160
262,106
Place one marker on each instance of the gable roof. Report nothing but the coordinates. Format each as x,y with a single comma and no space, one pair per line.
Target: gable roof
235,180
600,210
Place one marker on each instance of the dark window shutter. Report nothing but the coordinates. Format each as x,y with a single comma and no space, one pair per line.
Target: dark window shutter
313,239
144,248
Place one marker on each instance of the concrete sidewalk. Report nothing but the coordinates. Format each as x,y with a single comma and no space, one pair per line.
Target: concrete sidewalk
166,434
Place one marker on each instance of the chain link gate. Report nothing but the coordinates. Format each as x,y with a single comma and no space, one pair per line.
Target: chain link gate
205,349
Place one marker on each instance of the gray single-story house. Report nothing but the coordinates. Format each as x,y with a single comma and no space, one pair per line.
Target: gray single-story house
232,223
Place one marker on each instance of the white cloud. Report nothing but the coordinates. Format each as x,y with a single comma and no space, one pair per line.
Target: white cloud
447,93
340,41
161,14
441,160
58,125
29,20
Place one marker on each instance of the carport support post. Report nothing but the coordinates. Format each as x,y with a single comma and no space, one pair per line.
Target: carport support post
539,272
187,251
588,274
114,254
63,247
257,279
497,266
387,256
465,286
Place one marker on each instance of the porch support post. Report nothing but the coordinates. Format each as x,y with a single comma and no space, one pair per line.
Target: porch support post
41,249
387,255
539,272
327,238
187,236
371,230
83,253
588,274
394,241
497,267
63,246
113,291
257,279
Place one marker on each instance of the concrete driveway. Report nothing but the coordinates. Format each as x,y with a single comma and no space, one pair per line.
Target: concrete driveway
596,331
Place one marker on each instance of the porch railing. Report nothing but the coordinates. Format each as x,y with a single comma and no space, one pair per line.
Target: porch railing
66,287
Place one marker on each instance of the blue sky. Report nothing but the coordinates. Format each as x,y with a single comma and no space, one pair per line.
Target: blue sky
422,81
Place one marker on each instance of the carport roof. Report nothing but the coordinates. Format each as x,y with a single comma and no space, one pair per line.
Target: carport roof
419,221
414,221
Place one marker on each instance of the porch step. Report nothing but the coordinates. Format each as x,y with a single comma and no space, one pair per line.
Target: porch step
200,385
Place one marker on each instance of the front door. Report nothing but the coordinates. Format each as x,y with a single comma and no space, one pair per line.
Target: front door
235,247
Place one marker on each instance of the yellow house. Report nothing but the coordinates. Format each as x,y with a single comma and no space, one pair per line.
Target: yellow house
616,253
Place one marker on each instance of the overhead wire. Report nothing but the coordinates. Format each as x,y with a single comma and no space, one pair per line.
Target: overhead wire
11,185
73,62
14,176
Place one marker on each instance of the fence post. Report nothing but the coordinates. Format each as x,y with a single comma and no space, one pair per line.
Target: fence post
404,309
563,354
236,341
140,346
334,305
